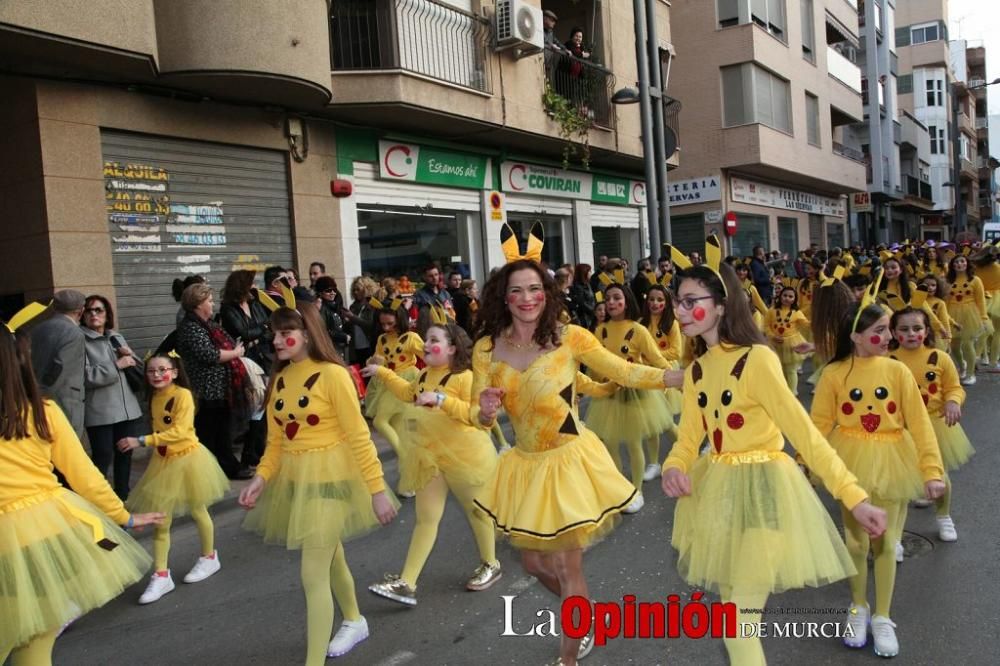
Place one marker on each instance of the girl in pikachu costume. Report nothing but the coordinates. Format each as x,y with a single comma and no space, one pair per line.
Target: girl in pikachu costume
870,408
62,554
747,523
967,306
320,480
659,320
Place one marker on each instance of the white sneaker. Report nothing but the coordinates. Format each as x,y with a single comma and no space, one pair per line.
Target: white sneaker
635,505
652,472
922,503
899,552
856,631
946,529
969,381
203,568
586,645
349,635
158,586
884,636
406,494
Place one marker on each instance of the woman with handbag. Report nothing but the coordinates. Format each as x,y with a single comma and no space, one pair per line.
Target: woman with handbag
112,409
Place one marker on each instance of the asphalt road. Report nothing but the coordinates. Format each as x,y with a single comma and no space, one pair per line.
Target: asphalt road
253,611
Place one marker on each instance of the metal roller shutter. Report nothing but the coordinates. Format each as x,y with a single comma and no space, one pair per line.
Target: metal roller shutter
614,216
369,189
607,242
688,232
518,203
178,207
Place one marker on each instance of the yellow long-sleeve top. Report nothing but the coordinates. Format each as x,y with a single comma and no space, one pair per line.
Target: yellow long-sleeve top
541,399
876,395
990,276
456,387
400,351
784,323
940,310
939,270
630,341
758,303
172,416
936,376
670,343
805,291
737,397
314,405
26,466
965,290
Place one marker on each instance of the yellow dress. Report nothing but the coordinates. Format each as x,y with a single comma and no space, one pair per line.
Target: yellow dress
558,489
400,353
873,415
182,474
749,500
967,306
990,277
805,290
55,562
631,414
937,378
783,327
320,462
440,441
671,347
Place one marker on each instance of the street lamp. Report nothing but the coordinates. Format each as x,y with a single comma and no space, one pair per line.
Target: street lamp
956,144
625,96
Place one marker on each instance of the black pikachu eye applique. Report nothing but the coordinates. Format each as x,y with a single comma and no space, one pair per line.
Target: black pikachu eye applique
301,402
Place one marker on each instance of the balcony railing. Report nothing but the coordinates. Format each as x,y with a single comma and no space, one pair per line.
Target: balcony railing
843,69
848,152
917,188
587,85
981,123
420,36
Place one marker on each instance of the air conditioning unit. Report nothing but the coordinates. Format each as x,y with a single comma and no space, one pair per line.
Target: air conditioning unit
519,25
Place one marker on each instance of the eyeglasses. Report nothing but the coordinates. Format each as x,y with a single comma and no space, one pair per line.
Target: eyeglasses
94,310
687,303
158,372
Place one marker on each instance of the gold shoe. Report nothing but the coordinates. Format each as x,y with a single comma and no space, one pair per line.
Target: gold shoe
484,577
395,589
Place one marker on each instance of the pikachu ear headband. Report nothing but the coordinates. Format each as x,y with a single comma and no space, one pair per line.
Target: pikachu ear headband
438,315
616,277
394,305
24,315
838,275
713,257
512,248
870,297
598,296
272,305
917,300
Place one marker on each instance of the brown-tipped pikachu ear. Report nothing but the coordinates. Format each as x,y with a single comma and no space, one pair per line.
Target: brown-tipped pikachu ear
740,365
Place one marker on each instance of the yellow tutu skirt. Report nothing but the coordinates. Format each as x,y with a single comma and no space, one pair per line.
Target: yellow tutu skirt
755,526
993,304
439,445
956,449
175,484
51,570
380,401
561,499
629,415
675,400
786,349
885,464
968,318
316,500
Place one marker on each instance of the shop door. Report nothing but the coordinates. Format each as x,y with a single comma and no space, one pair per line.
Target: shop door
751,231
177,208
552,227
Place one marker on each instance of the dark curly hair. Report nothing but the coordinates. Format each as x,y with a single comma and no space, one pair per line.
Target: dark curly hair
495,317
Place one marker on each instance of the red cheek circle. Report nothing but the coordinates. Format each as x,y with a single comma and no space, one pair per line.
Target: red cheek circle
539,297
847,408
402,358
312,419
932,388
290,342
663,345
512,299
891,407
875,339
436,349
698,314
735,421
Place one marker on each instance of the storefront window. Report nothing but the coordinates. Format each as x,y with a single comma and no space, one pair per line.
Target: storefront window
751,231
396,242
552,252
835,235
788,236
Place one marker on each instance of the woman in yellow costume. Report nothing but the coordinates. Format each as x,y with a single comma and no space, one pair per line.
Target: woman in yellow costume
987,267
62,554
913,344
558,490
630,416
869,407
967,306
446,453
932,263
320,481
747,523
659,320
783,326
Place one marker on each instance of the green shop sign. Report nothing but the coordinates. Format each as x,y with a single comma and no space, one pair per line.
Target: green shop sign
433,166
524,178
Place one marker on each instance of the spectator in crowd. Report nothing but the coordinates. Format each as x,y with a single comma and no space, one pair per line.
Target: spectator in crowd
112,410
177,289
549,19
583,295
245,318
361,319
760,275
58,355
564,279
641,282
330,311
274,277
595,279
695,258
432,293
217,375
471,291
388,289
292,277
463,316
317,269
664,266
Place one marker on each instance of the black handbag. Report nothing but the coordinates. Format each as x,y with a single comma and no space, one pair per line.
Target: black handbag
134,376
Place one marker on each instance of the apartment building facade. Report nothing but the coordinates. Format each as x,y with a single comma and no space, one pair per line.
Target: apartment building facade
155,139
773,140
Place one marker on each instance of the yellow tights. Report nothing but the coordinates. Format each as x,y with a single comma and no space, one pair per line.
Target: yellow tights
325,576
161,538
430,508
387,429
884,550
36,652
745,651
791,372
636,458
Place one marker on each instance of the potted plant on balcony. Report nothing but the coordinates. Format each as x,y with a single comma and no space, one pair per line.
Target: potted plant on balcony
574,123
